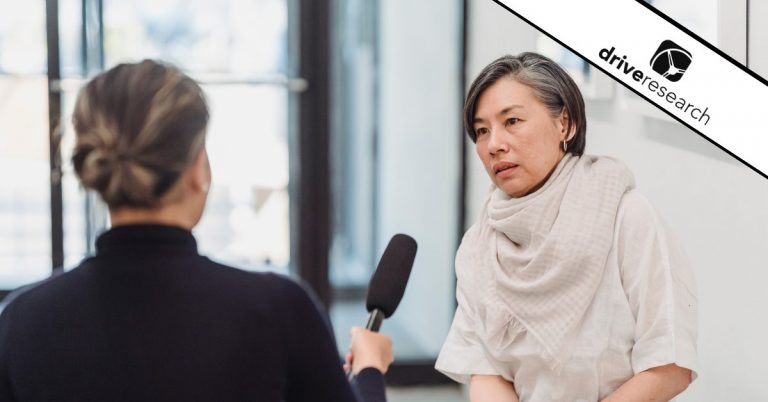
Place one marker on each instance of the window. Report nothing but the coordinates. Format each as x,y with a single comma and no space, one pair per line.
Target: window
25,236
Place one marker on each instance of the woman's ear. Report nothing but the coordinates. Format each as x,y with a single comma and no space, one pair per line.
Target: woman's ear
566,130
200,173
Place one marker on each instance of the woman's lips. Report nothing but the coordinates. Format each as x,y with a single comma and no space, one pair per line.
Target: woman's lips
504,169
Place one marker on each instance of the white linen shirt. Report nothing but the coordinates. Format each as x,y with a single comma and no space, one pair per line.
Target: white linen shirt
643,315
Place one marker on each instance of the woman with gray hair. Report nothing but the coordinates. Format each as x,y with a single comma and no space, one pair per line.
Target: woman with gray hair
570,287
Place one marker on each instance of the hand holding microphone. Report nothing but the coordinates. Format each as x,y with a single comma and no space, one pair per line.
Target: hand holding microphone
386,289
368,349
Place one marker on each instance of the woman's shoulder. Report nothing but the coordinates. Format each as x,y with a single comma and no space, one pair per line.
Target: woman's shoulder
43,293
643,235
603,162
277,286
636,213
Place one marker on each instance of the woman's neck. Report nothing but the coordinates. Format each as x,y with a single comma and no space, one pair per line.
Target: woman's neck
167,215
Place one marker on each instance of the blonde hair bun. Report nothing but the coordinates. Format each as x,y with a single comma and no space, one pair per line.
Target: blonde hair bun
137,126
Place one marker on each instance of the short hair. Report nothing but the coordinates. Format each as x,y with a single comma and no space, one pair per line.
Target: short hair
551,85
137,126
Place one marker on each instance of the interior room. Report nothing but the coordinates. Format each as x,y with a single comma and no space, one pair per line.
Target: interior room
338,124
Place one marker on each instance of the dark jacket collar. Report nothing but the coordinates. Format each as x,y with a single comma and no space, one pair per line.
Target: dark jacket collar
146,237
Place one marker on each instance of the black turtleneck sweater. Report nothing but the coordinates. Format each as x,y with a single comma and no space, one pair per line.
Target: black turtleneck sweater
149,319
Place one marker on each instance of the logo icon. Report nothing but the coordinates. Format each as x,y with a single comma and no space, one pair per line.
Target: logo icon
671,60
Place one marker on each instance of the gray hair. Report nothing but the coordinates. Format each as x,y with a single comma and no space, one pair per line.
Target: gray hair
551,85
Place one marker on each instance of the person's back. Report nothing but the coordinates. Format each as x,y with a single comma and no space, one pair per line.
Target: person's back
147,318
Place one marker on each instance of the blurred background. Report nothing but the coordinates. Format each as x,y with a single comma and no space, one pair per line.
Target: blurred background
337,124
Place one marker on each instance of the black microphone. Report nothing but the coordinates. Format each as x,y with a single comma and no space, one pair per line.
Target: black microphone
388,281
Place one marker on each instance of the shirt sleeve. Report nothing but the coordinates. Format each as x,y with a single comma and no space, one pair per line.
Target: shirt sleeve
369,383
660,287
463,353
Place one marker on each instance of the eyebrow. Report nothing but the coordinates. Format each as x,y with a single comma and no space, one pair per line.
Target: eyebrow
501,112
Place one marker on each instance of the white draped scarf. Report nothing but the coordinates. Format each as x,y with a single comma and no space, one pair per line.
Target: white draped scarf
544,254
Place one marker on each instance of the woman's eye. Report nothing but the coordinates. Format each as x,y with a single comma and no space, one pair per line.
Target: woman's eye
512,120
481,131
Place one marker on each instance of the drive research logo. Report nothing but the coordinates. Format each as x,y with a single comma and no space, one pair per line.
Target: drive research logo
671,60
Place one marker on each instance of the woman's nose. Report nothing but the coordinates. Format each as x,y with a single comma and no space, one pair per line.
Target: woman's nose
496,142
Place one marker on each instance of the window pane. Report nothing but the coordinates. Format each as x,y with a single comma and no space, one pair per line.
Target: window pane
223,44
240,37
246,216
25,235
22,37
405,178
353,160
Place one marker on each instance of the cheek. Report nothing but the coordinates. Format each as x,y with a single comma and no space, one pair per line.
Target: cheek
535,155
482,152
482,155
528,150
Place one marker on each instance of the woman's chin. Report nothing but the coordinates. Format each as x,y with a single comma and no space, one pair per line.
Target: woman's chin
511,189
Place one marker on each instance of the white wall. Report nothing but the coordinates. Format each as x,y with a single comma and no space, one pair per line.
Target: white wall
419,159
758,51
717,207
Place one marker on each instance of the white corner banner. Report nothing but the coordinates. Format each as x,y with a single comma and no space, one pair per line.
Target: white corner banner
665,65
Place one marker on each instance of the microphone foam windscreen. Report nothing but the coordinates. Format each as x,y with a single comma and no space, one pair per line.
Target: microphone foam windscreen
388,282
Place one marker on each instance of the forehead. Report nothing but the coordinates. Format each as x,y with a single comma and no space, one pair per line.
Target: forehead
503,93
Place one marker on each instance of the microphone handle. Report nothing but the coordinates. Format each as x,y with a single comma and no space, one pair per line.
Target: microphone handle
374,320
374,323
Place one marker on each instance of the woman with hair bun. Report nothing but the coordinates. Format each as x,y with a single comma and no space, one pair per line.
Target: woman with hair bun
148,318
